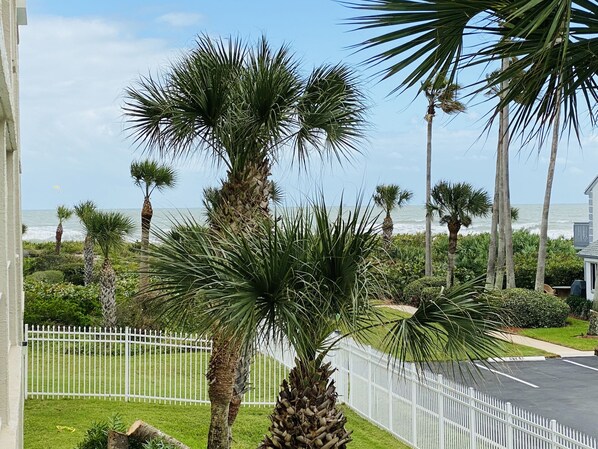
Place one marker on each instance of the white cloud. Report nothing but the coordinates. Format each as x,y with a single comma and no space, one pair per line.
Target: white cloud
73,75
180,19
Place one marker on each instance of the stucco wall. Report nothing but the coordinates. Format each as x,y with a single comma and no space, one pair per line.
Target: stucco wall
11,286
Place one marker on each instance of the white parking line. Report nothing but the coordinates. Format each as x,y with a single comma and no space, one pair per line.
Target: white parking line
507,375
579,364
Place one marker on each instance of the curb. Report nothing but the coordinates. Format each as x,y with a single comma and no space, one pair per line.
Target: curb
531,358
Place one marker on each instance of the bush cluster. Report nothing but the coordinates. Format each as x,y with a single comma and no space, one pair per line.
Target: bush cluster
48,276
61,304
531,309
423,289
580,307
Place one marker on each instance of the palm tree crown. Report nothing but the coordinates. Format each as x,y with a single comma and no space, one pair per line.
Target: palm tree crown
149,175
84,210
109,229
390,196
63,213
456,204
442,94
553,41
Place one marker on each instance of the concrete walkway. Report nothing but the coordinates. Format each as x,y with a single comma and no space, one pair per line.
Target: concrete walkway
561,351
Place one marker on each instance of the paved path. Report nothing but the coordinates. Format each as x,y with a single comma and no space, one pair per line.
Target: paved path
559,350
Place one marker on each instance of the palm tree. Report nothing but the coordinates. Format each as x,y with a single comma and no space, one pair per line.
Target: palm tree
63,213
241,106
440,94
83,211
389,197
456,205
148,175
299,280
108,230
422,39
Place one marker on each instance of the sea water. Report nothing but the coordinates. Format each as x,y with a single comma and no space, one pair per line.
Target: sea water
41,224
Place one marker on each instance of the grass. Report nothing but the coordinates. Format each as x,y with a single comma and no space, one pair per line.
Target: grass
187,423
376,340
570,335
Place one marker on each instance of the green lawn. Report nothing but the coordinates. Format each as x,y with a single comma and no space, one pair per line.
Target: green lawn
507,350
571,335
187,423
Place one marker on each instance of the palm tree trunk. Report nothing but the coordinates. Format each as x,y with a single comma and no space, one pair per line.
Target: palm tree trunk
58,238
491,267
108,293
244,199
430,119
306,415
88,260
505,211
452,252
387,228
146,219
540,271
220,375
499,279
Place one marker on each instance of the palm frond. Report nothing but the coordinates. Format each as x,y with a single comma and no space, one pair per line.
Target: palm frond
63,213
109,229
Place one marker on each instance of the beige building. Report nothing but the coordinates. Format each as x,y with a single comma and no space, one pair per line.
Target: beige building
12,14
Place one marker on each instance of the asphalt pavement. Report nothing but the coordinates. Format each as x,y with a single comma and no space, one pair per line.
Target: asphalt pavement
565,389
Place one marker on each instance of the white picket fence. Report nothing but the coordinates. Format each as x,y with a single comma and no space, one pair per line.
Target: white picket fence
424,410
132,364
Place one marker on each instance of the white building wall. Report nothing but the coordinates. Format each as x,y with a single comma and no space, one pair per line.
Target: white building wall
12,14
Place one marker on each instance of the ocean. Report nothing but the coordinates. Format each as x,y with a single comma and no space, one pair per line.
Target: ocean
41,224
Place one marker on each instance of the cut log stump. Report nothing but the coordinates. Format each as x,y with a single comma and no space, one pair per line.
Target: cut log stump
117,440
144,432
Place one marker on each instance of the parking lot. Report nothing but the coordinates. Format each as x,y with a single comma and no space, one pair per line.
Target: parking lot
564,389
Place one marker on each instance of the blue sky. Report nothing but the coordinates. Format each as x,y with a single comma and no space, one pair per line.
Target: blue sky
76,59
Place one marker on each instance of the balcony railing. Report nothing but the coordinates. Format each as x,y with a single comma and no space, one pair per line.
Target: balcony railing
581,234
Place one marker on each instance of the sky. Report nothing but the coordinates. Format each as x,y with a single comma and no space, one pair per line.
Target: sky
78,57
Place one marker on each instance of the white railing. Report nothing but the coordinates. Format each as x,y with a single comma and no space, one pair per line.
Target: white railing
428,411
132,364
423,409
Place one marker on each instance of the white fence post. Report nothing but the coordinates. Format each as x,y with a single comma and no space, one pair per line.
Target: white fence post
371,386
127,361
25,366
510,440
413,408
390,400
553,444
440,387
472,420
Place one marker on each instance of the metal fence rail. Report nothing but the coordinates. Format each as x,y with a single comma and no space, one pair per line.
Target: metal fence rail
132,364
424,410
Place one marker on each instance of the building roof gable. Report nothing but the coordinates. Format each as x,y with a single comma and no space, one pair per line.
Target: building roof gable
591,186
590,251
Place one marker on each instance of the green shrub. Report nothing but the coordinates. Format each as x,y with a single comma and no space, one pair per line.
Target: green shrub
423,289
96,437
531,309
29,265
48,276
561,269
61,304
580,307
74,272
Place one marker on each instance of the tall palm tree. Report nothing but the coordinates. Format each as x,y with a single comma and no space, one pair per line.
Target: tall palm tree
83,211
108,230
149,175
389,197
63,213
442,94
299,280
422,39
241,106
456,205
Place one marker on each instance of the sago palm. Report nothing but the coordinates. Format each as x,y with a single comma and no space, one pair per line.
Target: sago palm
108,230
389,197
241,106
456,205
424,38
442,94
83,211
149,175
63,213
298,280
